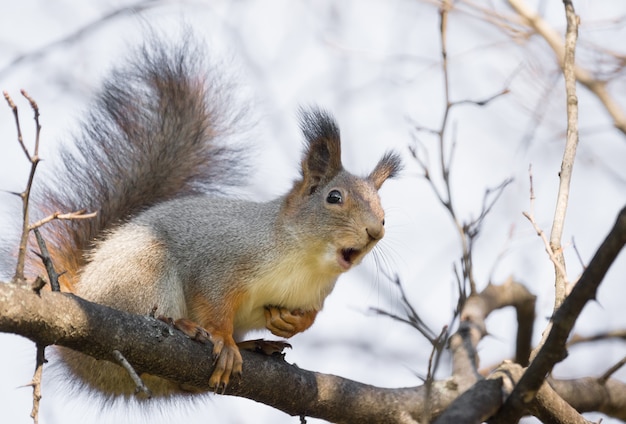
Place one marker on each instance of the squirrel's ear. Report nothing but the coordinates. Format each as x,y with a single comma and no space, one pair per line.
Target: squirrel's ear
322,158
388,167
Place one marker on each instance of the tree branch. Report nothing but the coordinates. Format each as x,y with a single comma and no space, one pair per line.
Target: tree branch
554,350
153,347
569,154
25,195
596,86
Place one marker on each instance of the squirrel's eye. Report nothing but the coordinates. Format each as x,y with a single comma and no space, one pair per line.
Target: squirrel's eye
334,196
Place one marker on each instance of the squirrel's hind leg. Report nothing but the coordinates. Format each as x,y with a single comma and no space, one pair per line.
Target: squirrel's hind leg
213,319
129,271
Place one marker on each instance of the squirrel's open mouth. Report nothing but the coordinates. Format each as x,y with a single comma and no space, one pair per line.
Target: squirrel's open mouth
347,257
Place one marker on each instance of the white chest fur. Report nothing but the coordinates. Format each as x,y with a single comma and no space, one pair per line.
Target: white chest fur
294,283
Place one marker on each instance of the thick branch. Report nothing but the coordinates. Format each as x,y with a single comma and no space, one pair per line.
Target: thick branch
557,401
153,347
510,293
592,394
475,405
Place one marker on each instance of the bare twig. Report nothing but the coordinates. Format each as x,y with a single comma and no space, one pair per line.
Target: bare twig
490,198
25,195
36,381
603,379
433,364
608,335
16,116
531,217
44,255
63,216
597,87
435,355
445,152
565,176
580,258
412,317
35,108
482,102
141,388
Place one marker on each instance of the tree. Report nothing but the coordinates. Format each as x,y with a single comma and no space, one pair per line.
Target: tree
444,155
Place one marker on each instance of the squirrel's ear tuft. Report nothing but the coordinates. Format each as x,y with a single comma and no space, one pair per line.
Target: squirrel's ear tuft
388,167
322,158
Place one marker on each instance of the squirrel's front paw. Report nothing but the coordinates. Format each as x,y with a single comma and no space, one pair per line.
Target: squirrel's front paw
285,323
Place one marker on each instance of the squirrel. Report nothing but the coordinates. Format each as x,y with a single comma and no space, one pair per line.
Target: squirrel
150,158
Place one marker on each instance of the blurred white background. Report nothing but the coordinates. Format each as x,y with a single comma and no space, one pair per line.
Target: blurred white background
377,66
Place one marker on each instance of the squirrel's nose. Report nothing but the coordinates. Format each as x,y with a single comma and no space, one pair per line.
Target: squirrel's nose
376,231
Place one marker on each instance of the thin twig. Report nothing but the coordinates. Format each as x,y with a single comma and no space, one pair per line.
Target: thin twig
25,195
446,163
580,258
569,154
603,379
555,249
35,108
40,359
16,116
140,385
81,214
607,335
490,198
586,78
433,364
531,217
467,231
412,317
53,275
482,102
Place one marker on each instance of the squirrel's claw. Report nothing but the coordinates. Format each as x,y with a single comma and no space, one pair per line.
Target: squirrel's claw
228,363
188,327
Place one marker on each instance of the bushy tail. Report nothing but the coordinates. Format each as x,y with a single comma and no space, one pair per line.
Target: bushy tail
151,135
